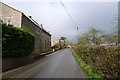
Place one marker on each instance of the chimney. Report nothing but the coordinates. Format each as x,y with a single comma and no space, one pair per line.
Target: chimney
41,26
30,17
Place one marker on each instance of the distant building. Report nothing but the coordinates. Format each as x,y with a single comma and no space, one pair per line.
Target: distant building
54,41
17,18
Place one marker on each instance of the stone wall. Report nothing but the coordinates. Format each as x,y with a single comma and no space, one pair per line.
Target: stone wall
0,10
54,41
42,38
10,15
28,24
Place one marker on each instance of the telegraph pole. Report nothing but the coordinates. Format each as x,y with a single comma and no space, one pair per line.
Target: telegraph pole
77,36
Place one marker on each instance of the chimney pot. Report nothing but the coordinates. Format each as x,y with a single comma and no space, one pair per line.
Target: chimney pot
30,16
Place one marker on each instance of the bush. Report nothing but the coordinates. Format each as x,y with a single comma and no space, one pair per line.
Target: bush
56,46
16,41
104,60
86,67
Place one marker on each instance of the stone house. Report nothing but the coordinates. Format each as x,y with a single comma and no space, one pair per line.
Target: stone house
54,41
17,18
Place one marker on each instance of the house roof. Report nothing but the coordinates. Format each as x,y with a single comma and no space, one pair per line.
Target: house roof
38,25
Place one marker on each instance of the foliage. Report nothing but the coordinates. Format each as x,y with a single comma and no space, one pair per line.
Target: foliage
56,46
86,67
92,37
97,37
16,41
62,41
111,38
1,21
84,39
104,60
63,38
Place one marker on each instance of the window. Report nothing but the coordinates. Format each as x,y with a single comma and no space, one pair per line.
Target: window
9,21
5,20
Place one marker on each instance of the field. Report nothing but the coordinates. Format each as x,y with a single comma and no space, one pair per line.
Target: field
104,60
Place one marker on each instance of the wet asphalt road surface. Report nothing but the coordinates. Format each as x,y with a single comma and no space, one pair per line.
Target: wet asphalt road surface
60,64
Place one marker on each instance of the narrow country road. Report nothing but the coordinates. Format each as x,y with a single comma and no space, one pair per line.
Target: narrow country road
60,64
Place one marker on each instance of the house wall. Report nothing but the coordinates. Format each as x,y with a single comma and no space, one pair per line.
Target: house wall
28,24
0,10
45,43
54,41
11,14
42,38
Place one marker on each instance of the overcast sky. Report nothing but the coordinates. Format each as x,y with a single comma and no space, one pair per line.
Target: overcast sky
53,16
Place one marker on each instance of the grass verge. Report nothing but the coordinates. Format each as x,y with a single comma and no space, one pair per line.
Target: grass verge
86,67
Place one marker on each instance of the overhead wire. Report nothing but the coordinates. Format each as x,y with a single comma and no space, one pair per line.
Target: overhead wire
69,14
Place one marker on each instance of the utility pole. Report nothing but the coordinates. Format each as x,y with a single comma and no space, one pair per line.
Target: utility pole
78,36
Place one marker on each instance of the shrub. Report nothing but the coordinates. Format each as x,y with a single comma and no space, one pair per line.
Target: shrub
104,60
56,46
16,41
86,67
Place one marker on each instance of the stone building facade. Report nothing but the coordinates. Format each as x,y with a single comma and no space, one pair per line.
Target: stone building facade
54,41
12,16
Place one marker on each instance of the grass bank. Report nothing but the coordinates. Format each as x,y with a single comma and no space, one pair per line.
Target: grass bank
88,70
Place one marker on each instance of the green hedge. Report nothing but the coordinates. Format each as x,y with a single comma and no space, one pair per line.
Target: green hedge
16,41
87,68
104,60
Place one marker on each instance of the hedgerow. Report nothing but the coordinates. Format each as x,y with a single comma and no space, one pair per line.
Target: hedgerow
104,60
88,69
16,41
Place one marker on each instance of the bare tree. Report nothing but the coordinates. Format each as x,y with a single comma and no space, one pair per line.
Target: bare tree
95,36
83,39
92,37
